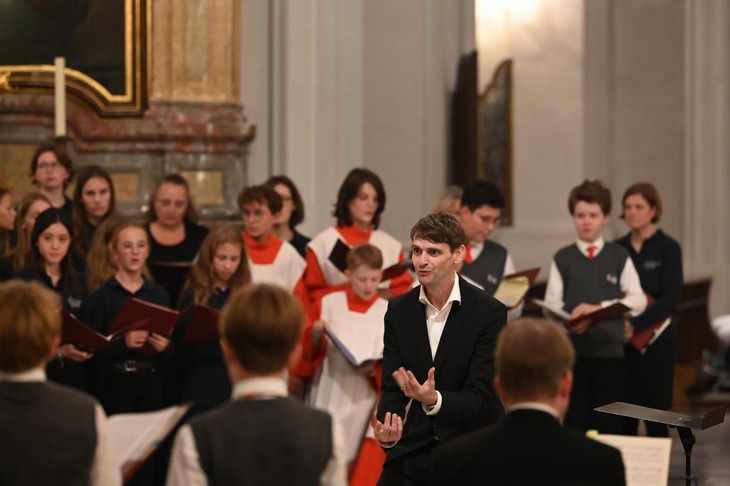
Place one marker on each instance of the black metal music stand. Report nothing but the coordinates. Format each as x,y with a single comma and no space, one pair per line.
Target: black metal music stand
682,422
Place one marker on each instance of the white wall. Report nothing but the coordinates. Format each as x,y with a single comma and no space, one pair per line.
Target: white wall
353,83
544,40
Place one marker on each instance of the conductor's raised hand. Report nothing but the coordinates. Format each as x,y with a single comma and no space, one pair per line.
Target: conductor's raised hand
388,431
424,393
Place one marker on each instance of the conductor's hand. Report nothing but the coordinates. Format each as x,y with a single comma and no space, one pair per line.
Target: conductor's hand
160,343
71,352
390,431
424,393
136,339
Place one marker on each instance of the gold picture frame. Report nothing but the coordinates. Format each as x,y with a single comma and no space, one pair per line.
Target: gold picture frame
131,101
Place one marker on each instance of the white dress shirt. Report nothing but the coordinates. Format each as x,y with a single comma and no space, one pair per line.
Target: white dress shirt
634,297
435,323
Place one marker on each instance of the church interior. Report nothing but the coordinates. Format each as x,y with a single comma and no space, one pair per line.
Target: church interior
230,92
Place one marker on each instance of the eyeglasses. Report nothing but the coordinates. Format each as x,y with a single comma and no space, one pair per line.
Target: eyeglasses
48,166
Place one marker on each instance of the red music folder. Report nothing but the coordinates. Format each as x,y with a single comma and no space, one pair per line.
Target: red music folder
145,316
75,332
641,340
203,325
606,313
395,270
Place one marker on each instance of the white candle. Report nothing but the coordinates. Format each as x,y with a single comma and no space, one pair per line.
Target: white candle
59,92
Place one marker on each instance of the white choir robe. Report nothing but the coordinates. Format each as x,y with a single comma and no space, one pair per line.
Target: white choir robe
337,388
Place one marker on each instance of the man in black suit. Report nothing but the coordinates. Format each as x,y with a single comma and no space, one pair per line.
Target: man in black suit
534,359
438,357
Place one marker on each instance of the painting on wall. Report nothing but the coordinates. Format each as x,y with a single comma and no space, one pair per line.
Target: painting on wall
105,44
494,135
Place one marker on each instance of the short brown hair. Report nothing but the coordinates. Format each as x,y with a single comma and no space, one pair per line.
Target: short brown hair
263,195
261,324
650,195
440,227
61,154
365,254
531,357
593,192
30,323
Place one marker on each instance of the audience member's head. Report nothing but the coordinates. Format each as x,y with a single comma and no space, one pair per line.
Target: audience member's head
260,327
31,328
533,361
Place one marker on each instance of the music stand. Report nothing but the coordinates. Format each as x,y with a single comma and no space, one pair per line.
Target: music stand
682,422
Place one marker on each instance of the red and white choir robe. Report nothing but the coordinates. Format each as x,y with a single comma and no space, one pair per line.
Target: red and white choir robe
338,388
277,262
322,274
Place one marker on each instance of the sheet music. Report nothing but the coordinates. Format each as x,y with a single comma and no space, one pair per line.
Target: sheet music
131,434
646,459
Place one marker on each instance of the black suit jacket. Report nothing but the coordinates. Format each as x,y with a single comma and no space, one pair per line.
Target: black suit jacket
528,447
464,365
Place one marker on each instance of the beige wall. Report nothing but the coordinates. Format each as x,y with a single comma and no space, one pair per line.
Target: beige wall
614,89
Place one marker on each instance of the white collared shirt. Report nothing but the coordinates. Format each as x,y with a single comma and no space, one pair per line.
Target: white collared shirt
634,297
436,318
542,407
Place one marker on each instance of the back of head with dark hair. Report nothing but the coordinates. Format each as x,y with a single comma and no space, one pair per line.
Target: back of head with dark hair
348,191
440,227
593,192
297,214
482,192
